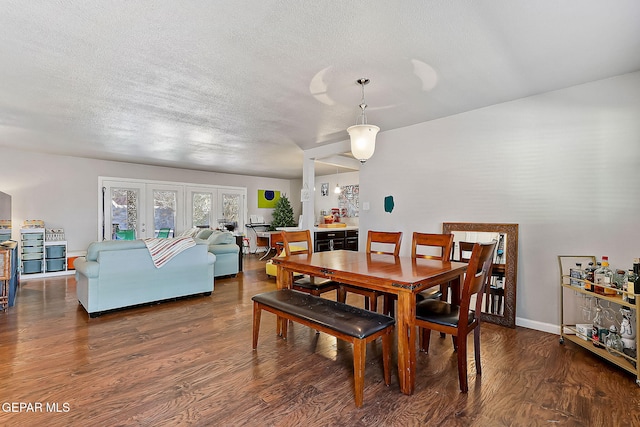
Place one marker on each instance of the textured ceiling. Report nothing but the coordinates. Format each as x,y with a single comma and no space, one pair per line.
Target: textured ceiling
245,86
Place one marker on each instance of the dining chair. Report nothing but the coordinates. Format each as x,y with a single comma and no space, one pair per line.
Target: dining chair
270,268
163,233
378,242
493,295
421,243
465,249
126,235
299,242
460,320
442,241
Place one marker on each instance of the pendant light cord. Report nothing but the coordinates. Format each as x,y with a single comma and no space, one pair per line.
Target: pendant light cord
363,103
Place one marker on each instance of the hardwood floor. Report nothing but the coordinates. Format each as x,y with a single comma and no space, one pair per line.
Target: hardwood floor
190,362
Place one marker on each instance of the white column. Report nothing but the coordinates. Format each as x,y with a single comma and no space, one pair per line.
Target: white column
308,180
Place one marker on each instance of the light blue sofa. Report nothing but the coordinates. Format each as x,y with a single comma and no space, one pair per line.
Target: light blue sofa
120,273
223,245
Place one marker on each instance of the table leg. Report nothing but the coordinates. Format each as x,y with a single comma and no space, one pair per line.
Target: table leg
284,278
405,323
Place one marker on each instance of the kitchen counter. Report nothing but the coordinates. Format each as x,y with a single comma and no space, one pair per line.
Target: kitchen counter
348,227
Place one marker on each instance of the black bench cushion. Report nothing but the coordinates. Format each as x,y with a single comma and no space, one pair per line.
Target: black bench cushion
315,284
440,312
344,318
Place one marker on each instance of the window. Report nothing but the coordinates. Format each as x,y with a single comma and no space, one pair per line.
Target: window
201,206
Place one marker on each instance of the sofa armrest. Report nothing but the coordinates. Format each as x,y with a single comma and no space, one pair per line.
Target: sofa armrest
211,258
88,268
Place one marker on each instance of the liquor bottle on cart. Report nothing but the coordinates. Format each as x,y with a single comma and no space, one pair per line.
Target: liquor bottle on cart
631,280
604,278
598,327
577,273
588,276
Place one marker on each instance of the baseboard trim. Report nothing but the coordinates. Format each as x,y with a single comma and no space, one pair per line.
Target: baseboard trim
539,326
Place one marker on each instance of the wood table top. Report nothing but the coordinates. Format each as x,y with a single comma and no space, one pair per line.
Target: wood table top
380,271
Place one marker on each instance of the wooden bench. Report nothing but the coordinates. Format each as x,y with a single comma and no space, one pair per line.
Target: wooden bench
348,323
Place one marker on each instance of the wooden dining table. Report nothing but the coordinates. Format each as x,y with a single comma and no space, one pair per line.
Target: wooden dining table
402,276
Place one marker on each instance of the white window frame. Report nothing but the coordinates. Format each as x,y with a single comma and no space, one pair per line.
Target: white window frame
184,210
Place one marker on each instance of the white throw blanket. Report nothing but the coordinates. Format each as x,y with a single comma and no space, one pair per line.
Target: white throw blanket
162,250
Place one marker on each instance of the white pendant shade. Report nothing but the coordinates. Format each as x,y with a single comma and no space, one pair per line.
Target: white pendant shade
363,141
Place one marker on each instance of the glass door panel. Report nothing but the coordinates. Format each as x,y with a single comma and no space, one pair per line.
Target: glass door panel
201,204
123,213
166,210
201,207
232,209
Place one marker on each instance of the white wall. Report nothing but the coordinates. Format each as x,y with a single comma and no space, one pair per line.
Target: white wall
63,191
294,196
564,165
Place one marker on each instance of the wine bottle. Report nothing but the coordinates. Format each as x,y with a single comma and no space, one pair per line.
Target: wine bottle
631,279
588,276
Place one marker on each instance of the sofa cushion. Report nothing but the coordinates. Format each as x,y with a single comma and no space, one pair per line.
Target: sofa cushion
95,248
221,238
204,233
111,245
189,232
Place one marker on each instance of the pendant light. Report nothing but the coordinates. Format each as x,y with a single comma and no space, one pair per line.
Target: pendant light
363,135
337,189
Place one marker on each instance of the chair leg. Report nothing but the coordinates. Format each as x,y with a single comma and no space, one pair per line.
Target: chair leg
389,305
444,289
386,357
359,357
462,363
374,302
426,337
257,311
476,349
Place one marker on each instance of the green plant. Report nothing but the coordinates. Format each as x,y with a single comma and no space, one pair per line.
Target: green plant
282,214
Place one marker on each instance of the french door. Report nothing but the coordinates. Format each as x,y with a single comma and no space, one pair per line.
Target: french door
146,207
213,207
123,209
166,203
